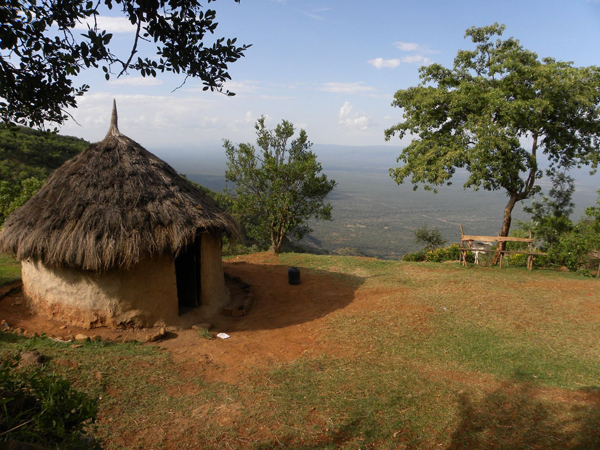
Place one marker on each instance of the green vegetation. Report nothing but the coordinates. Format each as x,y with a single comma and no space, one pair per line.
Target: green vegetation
277,188
450,253
10,269
475,115
39,407
431,237
27,158
574,246
425,356
41,48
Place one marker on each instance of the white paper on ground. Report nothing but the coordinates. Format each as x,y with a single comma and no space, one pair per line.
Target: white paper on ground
223,336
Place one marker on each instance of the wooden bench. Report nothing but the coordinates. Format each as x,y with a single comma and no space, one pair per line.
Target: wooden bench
466,243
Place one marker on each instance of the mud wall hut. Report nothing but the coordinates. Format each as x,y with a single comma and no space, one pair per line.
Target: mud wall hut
116,236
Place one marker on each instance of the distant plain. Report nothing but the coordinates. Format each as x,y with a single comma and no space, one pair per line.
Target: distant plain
372,213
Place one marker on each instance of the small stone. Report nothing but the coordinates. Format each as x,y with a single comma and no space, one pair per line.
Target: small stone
76,345
63,327
18,303
33,358
202,326
4,324
81,337
154,336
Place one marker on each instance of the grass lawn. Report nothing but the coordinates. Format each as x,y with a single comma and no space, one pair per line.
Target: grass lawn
10,269
422,356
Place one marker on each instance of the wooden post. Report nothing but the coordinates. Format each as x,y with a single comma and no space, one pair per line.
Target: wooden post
462,258
530,256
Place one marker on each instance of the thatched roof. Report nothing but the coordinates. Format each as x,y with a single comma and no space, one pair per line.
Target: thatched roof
109,207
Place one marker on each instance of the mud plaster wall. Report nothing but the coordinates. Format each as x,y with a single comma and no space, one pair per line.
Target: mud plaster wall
214,296
146,295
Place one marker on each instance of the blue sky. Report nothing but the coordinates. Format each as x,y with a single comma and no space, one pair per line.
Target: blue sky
328,66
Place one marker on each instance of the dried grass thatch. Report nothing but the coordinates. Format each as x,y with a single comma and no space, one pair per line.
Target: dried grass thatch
109,207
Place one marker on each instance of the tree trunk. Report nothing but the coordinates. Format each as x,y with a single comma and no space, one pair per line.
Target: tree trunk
276,239
506,225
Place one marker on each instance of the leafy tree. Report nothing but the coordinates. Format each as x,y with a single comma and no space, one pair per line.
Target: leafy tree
550,216
492,114
13,195
278,187
431,237
593,212
27,158
40,52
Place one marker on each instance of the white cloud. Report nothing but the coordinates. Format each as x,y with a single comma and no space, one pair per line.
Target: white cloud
346,88
357,121
413,47
314,14
110,24
345,110
136,81
242,86
416,59
380,63
406,46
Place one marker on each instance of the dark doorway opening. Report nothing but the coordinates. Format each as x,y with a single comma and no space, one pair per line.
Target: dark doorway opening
187,274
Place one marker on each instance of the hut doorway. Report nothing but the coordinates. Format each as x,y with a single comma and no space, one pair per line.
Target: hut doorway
187,274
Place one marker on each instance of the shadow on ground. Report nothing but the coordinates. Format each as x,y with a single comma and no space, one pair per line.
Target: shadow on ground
514,417
278,304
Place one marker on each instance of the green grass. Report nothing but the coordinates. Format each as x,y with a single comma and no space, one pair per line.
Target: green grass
10,269
436,356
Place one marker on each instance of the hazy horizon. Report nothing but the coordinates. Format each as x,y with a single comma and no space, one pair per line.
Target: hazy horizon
374,214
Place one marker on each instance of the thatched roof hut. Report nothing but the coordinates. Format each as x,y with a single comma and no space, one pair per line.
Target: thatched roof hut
117,218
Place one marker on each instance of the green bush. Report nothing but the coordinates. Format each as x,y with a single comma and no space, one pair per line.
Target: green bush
431,237
450,253
42,408
520,260
572,249
414,257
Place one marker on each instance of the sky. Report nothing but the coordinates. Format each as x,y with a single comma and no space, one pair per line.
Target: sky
330,67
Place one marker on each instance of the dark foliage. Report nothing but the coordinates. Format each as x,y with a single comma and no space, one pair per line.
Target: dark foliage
41,53
38,407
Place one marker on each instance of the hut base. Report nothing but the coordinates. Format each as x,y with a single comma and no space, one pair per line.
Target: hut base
144,296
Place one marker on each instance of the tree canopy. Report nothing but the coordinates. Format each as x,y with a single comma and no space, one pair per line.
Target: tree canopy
27,158
279,186
493,114
41,52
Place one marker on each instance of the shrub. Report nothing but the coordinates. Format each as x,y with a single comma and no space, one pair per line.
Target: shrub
414,257
572,249
42,408
450,253
431,237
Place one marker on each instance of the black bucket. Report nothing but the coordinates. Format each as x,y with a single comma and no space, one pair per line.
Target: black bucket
294,275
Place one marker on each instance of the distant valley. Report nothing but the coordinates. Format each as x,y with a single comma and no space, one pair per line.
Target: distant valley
375,215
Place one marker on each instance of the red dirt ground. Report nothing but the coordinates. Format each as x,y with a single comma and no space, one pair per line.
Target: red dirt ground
283,323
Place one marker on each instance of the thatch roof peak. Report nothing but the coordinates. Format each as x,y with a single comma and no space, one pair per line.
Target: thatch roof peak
109,207
113,130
